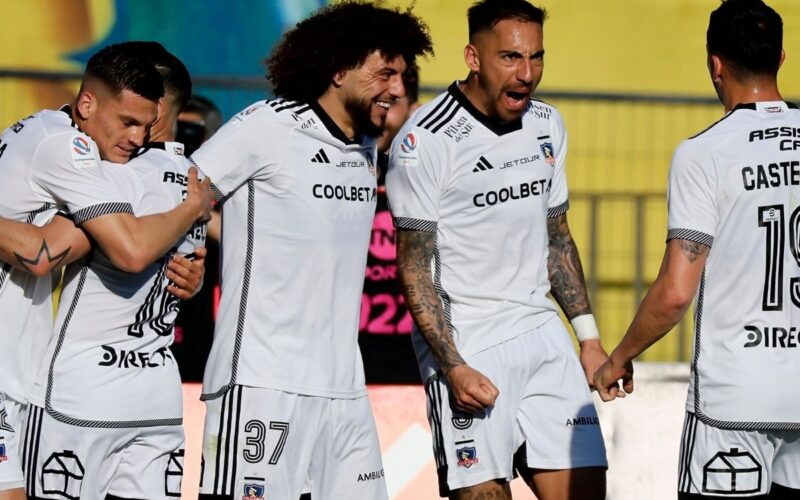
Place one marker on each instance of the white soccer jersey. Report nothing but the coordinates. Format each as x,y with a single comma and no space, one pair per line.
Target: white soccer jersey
736,188
297,217
486,189
47,164
109,363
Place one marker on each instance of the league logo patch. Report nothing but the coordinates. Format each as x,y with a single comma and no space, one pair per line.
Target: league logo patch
409,143
467,456
81,146
81,151
3,456
547,150
371,166
253,491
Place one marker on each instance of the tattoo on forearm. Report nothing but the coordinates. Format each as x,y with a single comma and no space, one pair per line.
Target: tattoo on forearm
692,250
414,254
44,253
565,271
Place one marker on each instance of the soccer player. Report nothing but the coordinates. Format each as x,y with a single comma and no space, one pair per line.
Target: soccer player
733,242
108,398
51,161
284,385
478,193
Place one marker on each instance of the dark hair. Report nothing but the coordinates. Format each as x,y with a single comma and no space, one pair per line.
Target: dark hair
748,35
485,14
173,72
120,67
411,83
337,38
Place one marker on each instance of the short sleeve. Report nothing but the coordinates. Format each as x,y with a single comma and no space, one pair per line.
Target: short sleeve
558,203
68,167
691,196
414,180
249,146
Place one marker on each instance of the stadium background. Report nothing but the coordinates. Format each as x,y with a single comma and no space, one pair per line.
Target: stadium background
628,76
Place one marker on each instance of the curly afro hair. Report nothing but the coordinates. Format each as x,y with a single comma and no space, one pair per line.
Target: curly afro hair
337,38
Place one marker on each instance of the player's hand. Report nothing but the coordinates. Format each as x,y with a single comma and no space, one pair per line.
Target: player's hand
606,380
592,356
186,275
472,391
199,194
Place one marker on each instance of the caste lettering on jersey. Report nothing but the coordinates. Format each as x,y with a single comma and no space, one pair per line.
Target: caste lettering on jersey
731,189
108,362
463,175
299,202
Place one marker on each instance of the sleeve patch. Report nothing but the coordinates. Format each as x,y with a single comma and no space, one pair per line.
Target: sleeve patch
407,153
82,151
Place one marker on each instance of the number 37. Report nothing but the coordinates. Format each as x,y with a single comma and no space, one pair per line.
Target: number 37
256,433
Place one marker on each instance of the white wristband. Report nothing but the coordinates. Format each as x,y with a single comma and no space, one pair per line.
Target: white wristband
585,327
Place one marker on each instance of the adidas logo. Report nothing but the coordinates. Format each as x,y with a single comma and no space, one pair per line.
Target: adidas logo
483,164
320,157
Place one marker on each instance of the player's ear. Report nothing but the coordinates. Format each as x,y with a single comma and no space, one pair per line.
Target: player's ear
471,58
715,64
783,58
85,104
338,78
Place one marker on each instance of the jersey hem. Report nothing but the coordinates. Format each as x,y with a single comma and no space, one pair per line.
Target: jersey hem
738,425
111,424
302,391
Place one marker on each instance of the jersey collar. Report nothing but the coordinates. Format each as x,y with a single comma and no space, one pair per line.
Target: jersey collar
490,122
175,147
331,125
68,110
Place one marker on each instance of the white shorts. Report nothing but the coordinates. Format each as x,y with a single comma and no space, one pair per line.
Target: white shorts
66,461
544,411
739,463
264,443
10,463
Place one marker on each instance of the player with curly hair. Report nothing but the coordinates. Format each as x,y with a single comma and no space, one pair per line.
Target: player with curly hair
284,385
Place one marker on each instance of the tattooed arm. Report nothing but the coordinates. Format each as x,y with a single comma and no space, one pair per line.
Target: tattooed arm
565,271
568,287
472,391
662,308
41,250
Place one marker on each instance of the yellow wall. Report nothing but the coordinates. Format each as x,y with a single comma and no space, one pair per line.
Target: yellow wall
611,45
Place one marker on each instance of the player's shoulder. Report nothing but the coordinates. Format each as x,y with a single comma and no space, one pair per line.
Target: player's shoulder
434,117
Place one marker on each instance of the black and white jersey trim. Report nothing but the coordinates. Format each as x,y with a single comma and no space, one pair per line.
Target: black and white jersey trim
690,235
94,211
30,448
437,285
226,459
558,211
412,224
433,390
435,121
248,266
218,194
687,448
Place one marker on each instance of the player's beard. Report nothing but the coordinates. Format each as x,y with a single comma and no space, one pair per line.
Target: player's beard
361,112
